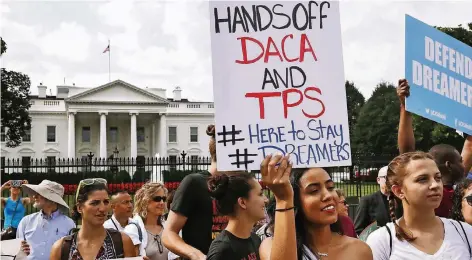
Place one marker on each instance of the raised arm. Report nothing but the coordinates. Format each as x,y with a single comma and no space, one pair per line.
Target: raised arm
275,173
406,137
467,154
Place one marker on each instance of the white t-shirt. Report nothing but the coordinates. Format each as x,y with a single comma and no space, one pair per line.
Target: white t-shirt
113,223
454,246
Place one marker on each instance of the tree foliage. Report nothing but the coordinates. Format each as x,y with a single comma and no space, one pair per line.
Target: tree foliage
355,101
15,103
376,128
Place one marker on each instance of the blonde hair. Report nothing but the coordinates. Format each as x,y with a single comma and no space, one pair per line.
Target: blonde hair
144,195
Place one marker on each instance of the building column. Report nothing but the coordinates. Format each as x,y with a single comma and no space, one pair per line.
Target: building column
103,134
163,136
153,142
71,136
134,137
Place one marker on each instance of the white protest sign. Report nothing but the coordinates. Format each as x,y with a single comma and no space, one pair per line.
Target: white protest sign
278,81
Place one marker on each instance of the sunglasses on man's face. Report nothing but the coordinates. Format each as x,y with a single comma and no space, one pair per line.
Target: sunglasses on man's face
159,198
469,200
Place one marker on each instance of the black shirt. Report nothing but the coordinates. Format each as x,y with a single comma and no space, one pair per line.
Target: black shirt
192,199
226,246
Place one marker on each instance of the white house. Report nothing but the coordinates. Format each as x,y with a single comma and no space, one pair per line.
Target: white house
115,117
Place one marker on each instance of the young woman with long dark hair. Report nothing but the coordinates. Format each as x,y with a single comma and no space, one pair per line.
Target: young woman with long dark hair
239,197
414,180
93,241
319,233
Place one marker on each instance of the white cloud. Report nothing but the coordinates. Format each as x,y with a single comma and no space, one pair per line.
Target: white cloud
167,43
70,41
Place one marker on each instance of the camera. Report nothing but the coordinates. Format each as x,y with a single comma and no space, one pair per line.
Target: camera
16,183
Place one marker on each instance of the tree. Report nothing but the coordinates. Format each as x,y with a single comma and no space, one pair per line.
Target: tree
355,101
15,87
374,132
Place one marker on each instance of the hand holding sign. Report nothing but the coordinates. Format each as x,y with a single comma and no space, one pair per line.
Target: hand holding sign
275,171
403,90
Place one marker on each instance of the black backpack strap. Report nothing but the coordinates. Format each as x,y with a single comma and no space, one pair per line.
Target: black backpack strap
466,238
117,242
66,245
140,233
390,235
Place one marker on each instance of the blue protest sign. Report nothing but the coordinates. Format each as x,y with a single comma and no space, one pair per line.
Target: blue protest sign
439,70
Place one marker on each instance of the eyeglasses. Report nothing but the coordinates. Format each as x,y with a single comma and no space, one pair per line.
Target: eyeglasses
469,200
159,198
88,182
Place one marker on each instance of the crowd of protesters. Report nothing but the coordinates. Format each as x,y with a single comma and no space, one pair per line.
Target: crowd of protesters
423,210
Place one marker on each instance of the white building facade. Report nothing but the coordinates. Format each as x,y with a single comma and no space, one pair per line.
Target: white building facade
113,119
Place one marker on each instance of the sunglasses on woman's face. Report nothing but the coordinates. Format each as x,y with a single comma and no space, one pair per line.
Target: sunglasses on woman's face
469,200
159,198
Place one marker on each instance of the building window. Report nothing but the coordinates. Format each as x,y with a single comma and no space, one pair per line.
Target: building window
27,136
86,134
172,134
114,134
172,162
51,130
194,134
25,163
194,162
51,163
140,133
3,134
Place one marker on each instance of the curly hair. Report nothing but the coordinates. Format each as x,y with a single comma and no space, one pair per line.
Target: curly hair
457,198
396,173
144,195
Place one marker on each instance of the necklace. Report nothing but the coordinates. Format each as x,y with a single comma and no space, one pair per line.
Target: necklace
323,254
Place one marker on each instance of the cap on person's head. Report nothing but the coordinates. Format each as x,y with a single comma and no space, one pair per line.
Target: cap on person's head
383,171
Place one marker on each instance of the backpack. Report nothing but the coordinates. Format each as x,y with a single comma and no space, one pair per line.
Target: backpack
115,237
452,222
140,233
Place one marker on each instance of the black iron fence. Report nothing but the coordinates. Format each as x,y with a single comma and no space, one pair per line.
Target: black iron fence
130,173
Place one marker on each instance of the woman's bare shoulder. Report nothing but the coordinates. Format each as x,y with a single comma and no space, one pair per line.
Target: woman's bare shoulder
361,249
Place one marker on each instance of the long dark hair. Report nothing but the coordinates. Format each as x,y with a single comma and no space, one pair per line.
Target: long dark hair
300,217
227,188
459,192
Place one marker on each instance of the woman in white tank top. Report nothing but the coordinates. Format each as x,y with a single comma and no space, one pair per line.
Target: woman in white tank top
414,180
318,233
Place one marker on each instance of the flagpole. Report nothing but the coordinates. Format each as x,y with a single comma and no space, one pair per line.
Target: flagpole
109,58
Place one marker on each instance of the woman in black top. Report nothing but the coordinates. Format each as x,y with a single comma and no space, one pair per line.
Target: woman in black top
240,197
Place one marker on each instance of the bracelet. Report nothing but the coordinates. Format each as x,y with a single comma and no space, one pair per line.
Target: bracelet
283,210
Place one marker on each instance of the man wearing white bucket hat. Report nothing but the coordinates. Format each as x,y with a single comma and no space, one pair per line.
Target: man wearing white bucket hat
42,229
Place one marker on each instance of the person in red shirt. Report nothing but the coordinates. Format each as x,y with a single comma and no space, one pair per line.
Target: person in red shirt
343,212
450,162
